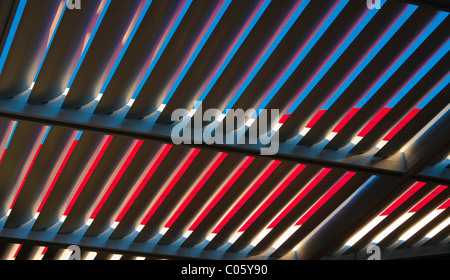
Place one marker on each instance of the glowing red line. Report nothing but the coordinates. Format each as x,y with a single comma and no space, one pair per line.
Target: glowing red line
164,151
427,199
200,185
326,197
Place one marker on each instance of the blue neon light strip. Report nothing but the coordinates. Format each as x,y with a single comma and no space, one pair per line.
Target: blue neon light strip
127,44
434,92
434,24
12,33
233,52
163,47
268,53
307,49
376,49
11,135
79,135
197,50
423,71
91,38
50,43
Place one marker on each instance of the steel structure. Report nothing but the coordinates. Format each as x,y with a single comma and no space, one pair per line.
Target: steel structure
86,104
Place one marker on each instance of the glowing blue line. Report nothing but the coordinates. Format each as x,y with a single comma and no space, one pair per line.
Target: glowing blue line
233,52
127,44
11,135
390,33
305,52
12,33
436,22
423,71
435,92
162,49
197,51
268,53
91,38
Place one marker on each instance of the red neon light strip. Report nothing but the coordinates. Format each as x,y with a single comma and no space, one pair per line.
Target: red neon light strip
445,205
247,195
403,198
88,175
300,197
147,177
61,168
427,199
3,155
172,183
117,178
26,176
326,197
222,192
194,192
17,251
269,201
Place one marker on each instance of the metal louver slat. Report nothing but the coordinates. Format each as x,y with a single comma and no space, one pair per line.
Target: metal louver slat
234,25
101,178
214,216
392,217
129,182
305,33
252,50
7,11
93,71
384,126
422,118
292,216
51,156
71,177
402,41
295,188
424,211
217,180
190,178
6,128
143,203
18,158
322,91
145,44
27,252
28,47
173,60
422,233
404,75
355,183
63,53
290,49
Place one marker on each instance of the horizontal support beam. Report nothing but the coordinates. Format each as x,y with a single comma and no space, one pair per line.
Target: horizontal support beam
147,129
50,238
